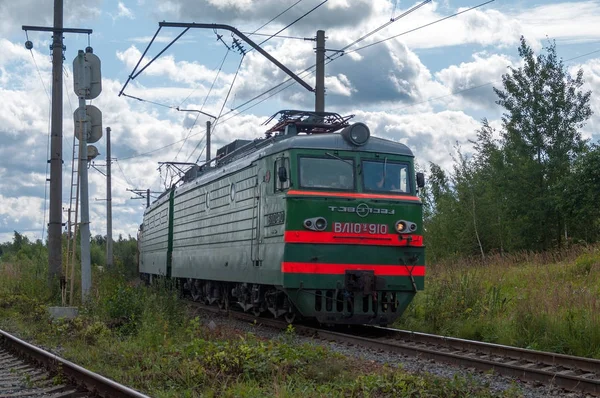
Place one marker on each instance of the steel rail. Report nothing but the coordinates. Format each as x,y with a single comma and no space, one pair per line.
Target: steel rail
91,381
559,370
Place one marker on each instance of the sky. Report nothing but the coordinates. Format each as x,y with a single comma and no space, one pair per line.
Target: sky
428,88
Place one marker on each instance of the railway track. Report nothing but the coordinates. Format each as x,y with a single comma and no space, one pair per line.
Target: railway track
563,371
28,371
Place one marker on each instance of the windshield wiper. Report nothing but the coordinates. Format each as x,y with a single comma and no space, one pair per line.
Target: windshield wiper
338,158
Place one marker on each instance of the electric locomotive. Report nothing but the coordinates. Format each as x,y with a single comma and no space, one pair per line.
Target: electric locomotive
318,219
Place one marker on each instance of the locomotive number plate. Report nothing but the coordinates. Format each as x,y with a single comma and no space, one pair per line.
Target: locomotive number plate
360,228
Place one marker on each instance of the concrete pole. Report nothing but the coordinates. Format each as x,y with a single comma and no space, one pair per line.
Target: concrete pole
86,271
320,77
207,140
109,238
55,217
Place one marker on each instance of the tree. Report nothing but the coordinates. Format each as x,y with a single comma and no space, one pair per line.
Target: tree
580,202
544,111
531,183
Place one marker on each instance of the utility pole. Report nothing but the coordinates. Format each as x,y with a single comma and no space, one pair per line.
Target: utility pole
55,209
55,218
109,238
208,124
208,141
320,76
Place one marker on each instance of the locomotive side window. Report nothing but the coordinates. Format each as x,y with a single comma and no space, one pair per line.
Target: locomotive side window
327,173
282,174
385,176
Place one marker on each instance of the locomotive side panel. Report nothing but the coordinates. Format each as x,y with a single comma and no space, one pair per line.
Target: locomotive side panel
216,229
154,242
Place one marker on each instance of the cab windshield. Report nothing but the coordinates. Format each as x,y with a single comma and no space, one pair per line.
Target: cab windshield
385,176
327,173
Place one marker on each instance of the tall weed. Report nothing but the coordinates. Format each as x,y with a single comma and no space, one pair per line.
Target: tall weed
547,301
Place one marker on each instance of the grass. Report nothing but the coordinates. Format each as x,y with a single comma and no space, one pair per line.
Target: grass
547,301
144,337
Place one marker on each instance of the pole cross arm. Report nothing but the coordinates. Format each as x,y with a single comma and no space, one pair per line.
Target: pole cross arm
53,29
241,36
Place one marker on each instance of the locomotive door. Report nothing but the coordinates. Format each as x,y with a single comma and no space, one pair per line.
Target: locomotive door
258,245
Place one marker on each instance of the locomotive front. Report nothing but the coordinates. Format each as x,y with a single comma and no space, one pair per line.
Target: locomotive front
353,249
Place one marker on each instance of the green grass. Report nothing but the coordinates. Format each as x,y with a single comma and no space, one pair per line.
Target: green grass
146,338
546,301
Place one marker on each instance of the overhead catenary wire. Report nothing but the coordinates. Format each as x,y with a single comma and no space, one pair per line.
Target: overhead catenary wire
133,74
204,103
453,93
331,59
249,34
149,101
385,25
124,175
274,18
220,67
421,27
224,102
68,99
340,54
293,22
287,80
336,57
47,141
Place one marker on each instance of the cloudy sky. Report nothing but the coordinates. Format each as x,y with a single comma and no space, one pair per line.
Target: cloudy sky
428,88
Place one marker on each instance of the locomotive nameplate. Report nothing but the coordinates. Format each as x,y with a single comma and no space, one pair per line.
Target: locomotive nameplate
360,228
362,210
275,218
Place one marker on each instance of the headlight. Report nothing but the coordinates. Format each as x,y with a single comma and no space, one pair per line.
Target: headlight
315,224
357,134
400,226
321,224
405,227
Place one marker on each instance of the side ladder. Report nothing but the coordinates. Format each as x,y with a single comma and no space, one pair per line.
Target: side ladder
72,226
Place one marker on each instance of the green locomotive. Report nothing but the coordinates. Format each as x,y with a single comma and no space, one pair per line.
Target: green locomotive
318,219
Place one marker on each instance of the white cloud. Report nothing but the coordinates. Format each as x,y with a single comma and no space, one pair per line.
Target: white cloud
430,135
467,75
35,12
182,72
124,12
377,84
591,76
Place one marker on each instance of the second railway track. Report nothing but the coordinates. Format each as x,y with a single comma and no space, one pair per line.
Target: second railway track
29,371
571,373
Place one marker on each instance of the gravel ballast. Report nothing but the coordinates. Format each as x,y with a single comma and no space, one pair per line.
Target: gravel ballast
410,364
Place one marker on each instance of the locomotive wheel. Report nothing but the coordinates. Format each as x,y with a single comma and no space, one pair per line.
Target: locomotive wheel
223,301
223,304
290,316
195,292
256,311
